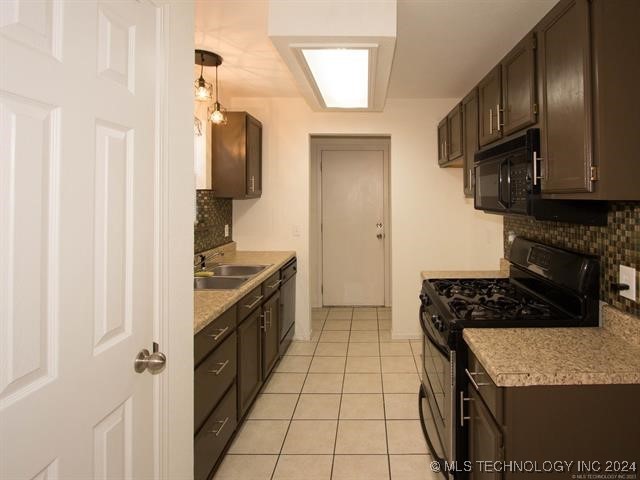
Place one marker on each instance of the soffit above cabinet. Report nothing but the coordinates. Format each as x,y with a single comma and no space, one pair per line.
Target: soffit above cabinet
347,33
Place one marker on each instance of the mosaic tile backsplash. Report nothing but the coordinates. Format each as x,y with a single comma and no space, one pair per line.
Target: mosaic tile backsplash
616,243
212,215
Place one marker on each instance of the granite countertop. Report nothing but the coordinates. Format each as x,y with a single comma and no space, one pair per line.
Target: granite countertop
503,272
209,304
515,357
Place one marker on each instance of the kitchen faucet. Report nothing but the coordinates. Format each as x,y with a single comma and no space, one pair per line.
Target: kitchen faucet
201,264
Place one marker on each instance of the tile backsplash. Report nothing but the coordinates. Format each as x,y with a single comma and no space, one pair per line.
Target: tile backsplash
616,243
211,217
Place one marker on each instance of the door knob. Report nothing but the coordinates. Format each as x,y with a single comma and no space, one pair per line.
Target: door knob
154,362
379,235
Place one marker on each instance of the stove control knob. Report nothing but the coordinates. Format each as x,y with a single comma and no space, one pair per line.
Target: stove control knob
424,298
437,322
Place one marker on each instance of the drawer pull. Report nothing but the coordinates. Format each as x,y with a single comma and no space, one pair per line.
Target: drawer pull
221,331
255,302
475,384
223,422
462,400
274,285
222,367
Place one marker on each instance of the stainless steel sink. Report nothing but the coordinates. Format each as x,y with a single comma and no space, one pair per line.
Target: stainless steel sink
218,283
230,270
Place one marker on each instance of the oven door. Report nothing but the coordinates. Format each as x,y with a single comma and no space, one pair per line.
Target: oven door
493,185
436,392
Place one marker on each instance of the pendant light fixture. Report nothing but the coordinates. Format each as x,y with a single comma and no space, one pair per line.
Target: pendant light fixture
203,89
217,114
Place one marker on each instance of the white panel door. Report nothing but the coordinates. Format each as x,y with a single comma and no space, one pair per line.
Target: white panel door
352,227
77,176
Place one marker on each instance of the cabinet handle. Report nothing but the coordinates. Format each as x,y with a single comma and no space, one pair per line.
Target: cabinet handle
255,302
221,331
267,321
462,400
499,127
222,367
477,385
223,422
490,121
274,285
536,177
470,173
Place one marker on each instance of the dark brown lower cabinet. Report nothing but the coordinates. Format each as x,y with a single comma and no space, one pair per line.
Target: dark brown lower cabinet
212,438
249,360
541,423
270,334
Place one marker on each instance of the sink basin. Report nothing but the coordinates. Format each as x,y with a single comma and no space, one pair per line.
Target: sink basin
218,283
237,270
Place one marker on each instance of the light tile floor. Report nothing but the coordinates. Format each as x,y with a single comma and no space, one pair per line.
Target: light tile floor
343,406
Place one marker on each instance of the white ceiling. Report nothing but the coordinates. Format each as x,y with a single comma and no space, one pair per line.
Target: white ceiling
443,46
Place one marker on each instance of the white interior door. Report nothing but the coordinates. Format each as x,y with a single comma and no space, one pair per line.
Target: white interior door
77,176
353,227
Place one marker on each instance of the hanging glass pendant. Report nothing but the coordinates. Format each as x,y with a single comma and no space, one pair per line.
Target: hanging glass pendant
202,90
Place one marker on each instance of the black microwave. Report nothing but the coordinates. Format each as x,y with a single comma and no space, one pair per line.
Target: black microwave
507,181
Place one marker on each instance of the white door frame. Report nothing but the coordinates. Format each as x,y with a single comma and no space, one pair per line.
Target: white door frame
173,248
320,143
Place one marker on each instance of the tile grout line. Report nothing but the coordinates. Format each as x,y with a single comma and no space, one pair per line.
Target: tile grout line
284,439
384,407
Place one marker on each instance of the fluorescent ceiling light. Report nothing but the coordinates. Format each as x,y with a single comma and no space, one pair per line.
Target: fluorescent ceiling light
341,75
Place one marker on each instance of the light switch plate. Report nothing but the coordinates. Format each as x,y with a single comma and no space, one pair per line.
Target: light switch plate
627,276
226,230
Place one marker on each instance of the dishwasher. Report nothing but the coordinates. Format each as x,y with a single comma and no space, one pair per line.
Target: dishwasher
287,305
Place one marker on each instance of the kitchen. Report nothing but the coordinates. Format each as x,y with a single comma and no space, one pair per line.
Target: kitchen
460,316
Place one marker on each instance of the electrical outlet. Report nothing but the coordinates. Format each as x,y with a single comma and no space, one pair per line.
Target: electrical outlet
627,276
226,230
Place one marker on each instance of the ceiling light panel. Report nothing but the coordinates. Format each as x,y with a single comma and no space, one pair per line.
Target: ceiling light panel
341,75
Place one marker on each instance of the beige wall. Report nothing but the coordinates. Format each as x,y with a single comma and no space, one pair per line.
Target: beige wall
433,226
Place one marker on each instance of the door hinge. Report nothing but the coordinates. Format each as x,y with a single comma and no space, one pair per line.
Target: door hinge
595,174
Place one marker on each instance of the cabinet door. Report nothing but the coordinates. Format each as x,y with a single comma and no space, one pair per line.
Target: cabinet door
490,110
454,128
565,98
470,129
249,361
442,142
518,86
270,334
254,157
485,438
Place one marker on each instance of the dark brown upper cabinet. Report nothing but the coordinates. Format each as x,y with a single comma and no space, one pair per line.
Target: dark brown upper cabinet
490,106
450,139
236,157
454,129
442,142
470,129
564,61
589,107
519,86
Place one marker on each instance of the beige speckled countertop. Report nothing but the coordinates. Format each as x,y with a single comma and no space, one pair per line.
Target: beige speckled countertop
209,304
561,356
503,272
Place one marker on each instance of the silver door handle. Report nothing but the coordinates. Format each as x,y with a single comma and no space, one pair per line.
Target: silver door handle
446,149
219,370
255,302
498,115
155,362
274,285
462,400
536,177
223,422
473,380
267,321
491,120
221,331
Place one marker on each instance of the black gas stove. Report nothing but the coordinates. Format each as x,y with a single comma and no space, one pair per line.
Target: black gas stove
546,287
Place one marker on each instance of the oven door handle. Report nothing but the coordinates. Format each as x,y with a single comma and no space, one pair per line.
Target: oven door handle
422,395
504,203
438,346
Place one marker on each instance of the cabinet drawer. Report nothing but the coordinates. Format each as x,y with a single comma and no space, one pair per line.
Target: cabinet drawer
249,303
216,432
489,391
213,334
289,270
212,378
271,284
